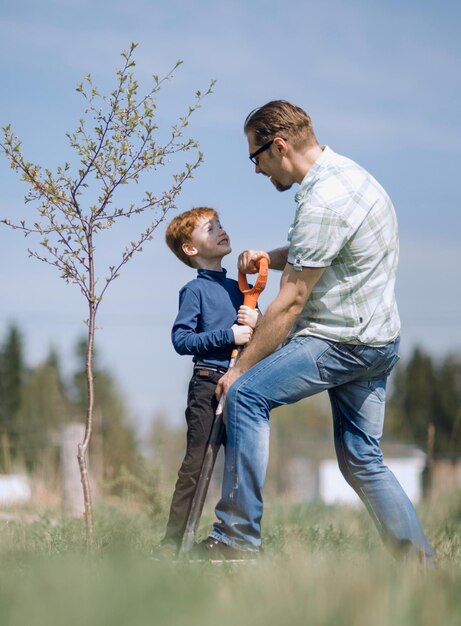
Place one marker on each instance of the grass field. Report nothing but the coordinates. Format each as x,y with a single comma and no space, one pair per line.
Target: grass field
321,566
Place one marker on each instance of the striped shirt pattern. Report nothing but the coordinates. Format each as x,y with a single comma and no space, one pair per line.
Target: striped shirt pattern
346,223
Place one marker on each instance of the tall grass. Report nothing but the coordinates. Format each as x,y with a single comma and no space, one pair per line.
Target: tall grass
321,566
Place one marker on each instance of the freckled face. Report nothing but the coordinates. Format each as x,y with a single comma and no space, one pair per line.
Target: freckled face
210,239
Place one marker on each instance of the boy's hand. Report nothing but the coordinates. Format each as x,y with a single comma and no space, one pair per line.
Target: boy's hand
242,334
247,316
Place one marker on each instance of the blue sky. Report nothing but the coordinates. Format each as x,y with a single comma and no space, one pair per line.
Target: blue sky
381,81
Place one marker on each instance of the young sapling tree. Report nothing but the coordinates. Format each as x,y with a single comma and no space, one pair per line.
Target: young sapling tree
116,142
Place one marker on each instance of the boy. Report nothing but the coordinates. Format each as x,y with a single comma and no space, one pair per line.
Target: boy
206,328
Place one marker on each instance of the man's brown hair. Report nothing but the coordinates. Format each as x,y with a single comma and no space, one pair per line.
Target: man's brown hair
180,229
280,118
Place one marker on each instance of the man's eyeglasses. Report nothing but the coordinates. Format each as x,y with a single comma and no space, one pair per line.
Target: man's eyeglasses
254,157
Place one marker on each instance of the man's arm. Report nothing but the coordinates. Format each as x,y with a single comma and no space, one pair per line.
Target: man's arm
274,326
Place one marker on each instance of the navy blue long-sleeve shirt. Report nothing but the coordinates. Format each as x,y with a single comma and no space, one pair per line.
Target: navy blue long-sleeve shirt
208,308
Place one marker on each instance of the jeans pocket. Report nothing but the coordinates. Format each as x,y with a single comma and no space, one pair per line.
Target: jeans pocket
394,359
342,362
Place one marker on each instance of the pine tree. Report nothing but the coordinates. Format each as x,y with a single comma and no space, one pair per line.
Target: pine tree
448,419
44,408
11,379
427,395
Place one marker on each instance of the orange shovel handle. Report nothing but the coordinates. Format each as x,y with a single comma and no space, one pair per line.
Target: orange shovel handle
251,295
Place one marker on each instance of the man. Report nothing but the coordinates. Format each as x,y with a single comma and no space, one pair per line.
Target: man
333,326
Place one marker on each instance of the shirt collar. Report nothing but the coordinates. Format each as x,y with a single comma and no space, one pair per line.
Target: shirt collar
314,171
212,274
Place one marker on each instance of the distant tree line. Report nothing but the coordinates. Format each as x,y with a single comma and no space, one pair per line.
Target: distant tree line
424,409
425,403
36,402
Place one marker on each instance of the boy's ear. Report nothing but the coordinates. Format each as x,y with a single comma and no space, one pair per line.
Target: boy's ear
189,249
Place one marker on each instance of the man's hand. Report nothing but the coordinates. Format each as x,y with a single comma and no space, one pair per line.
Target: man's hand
248,261
226,381
242,334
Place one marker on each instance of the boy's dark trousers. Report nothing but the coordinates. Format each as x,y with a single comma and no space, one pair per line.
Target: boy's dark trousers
200,413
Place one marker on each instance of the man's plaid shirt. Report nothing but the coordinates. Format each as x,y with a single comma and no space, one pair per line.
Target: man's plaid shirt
346,223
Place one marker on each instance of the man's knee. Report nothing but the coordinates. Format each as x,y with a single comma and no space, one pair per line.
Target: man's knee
244,397
357,470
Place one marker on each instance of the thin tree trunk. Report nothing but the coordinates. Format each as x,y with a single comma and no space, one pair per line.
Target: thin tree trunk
83,447
72,497
6,453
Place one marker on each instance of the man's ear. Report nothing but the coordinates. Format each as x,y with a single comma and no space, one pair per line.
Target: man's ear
189,249
281,145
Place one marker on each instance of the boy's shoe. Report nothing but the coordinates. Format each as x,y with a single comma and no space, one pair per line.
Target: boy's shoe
210,549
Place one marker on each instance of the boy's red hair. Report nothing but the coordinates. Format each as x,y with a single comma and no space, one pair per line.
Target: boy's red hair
180,229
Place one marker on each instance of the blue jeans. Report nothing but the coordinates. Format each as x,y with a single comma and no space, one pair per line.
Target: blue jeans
355,377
